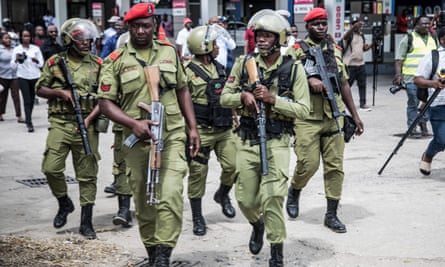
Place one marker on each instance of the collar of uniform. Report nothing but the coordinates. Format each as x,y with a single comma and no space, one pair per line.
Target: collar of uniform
132,50
263,65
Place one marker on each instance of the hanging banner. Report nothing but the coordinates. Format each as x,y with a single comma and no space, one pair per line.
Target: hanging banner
336,17
303,6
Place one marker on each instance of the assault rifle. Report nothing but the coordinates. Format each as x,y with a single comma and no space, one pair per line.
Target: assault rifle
77,109
328,79
254,80
156,110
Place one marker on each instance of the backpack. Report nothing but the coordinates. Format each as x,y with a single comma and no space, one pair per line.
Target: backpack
422,94
348,43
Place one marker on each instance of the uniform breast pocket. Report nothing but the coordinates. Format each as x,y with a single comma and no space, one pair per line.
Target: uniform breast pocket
130,81
198,91
173,115
168,76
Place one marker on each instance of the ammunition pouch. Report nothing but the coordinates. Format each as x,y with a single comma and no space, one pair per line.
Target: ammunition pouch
248,129
58,106
101,124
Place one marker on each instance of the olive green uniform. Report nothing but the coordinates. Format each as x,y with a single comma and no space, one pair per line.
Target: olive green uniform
123,81
119,167
63,135
315,135
220,140
257,194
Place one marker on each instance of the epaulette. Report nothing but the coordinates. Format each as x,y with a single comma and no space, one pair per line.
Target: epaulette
165,42
114,55
99,61
51,62
339,47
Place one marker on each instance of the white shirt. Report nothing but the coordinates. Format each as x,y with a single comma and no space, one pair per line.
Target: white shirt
424,70
28,69
107,34
181,39
224,44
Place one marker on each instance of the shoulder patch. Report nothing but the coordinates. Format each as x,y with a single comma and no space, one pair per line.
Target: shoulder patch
51,62
296,45
105,87
165,42
99,61
114,55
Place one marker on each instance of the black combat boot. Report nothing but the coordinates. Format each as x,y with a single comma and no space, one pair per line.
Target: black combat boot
163,254
151,252
292,203
86,224
330,220
111,189
123,216
222,197
256,238
199,224
276,253
65,207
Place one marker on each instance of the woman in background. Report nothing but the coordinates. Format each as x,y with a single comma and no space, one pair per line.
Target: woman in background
28,60
8,78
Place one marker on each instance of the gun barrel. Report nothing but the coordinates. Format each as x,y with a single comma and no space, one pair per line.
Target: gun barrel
77,110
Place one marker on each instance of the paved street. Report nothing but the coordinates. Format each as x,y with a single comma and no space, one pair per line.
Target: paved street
395,219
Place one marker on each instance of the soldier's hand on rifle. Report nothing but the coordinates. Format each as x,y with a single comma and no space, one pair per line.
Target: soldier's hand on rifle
248,99
317,85
141,128
67,96
262,93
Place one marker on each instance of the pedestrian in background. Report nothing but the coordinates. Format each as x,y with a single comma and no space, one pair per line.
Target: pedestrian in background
39,35
28,60
122,86
437,108
407,59
51,45
285,96
8,78
354,46
63,136
181,40
319,134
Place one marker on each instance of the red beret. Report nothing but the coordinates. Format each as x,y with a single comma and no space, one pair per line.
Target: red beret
316,13
142,10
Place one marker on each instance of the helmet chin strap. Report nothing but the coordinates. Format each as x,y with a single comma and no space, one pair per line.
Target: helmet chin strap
270,51
78,51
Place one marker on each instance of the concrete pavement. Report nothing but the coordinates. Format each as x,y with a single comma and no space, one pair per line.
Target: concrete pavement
393,219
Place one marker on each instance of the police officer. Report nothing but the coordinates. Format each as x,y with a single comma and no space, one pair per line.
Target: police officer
319,133
63,136
285,94
122,87
206,78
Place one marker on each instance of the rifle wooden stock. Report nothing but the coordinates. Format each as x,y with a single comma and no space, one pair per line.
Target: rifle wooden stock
254,80
152,75
77,109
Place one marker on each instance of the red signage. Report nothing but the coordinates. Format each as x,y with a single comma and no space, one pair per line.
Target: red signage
178,4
